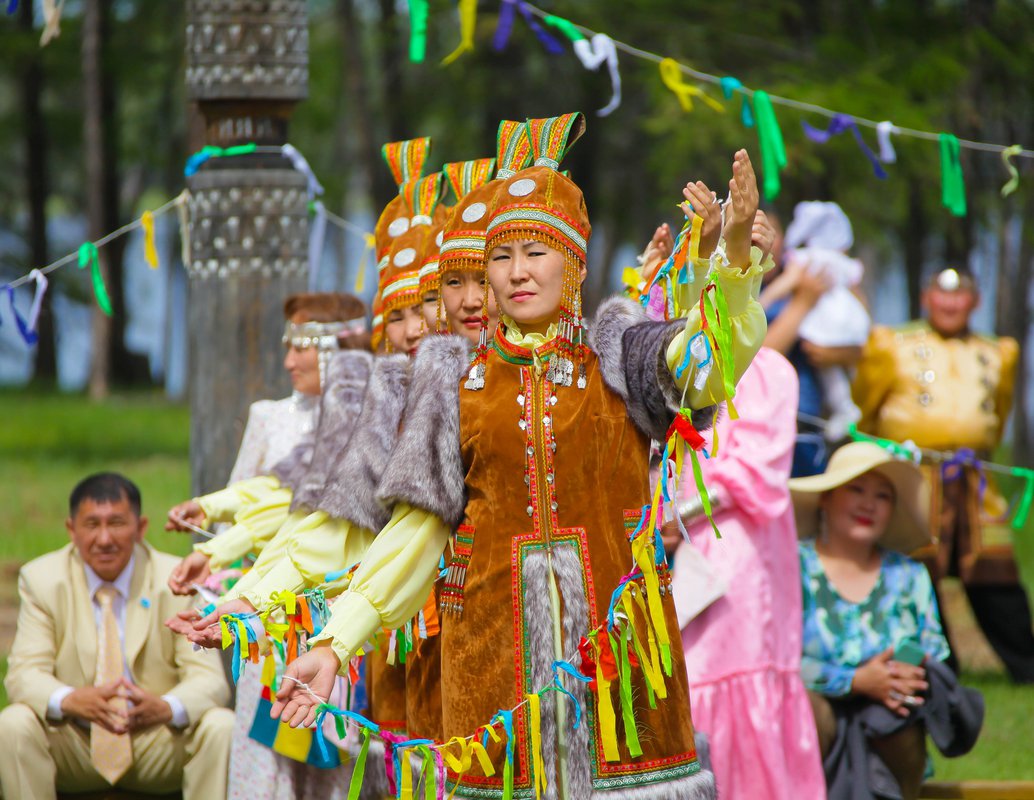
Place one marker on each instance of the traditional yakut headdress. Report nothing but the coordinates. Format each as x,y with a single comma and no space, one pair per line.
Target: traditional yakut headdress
400,280
542,204
406,160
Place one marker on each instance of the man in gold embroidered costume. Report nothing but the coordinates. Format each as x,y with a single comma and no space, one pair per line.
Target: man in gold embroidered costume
936,383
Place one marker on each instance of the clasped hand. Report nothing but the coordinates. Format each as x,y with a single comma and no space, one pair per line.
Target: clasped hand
94,704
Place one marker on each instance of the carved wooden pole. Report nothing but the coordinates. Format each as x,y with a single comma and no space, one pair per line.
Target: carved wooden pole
247,67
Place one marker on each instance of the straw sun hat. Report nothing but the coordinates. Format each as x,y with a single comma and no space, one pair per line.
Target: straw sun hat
909,524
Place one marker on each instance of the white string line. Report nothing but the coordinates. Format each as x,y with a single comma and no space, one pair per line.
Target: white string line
341,222
72,257
933,455
800,105
192,527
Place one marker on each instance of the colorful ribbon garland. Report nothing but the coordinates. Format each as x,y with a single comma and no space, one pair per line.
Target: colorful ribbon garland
671,76
953,185
842,123
88,256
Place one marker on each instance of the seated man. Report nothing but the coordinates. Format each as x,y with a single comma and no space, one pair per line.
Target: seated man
102,692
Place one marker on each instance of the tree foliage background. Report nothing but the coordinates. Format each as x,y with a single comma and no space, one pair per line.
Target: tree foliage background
964,66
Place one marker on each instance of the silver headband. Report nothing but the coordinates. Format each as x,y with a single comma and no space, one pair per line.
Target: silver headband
324,336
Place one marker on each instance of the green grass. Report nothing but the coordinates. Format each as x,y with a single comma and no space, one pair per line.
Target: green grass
48,442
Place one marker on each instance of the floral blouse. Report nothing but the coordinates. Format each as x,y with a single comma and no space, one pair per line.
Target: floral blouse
840,636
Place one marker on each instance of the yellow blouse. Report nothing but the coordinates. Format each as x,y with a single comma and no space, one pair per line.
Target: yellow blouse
221,506
398,571
253,526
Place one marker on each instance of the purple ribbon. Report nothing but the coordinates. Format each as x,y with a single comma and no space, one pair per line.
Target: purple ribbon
952,468
29,336
507,15
839,124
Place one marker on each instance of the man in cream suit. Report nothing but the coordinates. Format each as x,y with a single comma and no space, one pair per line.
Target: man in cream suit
102,692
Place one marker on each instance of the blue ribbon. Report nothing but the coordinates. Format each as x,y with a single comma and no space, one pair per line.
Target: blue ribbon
567,667
730,85
12,6
30,337
951,469
839,124
362,721
195,161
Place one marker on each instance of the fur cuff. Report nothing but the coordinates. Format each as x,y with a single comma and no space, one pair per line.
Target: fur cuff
347,376
631,352
426,469
350,489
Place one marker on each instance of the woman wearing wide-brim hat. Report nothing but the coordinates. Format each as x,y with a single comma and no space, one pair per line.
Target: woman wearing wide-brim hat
871,625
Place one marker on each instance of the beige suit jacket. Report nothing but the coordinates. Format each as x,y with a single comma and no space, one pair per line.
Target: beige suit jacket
56,640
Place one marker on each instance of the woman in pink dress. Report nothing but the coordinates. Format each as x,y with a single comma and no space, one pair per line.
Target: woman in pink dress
743,649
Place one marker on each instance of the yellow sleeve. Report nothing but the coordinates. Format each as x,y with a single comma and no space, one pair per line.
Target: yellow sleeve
746,326
874,377
253,527
331,546
1010,351
392,583
222,505
272,554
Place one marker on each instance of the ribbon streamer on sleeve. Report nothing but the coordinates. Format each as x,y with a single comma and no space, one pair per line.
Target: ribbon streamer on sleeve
731,85
770,140
418,12
838,125
88,255
592,53
1014,181
883,132
150,251
468,10
953,185
671,75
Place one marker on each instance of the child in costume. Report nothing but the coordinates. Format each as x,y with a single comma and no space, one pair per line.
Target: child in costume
817,240
539,461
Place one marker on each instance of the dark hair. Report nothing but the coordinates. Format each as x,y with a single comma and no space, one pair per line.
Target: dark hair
104,487
330,307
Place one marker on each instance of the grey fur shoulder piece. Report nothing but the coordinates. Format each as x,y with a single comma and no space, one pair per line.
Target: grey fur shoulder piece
347,376
290,469
349,491
631,351
426,469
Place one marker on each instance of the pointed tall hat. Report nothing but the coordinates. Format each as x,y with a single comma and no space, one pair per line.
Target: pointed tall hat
406,160
463,243
539,202
462,177
400,280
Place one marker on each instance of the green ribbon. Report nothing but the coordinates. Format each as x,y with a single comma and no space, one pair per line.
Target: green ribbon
1014,182
88,255
894,448
953,185
770,139
418,11
625,685
1019,519
359,770
565,26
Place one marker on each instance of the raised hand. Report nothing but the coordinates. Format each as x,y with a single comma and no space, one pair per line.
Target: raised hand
763,233
192,569
317,669
188,511
701,202
740,211
183,622
659,248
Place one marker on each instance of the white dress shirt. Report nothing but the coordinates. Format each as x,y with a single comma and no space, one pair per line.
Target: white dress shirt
121,585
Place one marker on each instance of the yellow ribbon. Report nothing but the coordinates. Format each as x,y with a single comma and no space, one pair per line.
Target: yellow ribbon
608,722
468,21
535,723
1014,182
360,278
405,778
671,75
150,251
225,631
268,671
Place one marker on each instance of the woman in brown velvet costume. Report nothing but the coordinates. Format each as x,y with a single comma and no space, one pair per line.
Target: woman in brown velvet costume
534,459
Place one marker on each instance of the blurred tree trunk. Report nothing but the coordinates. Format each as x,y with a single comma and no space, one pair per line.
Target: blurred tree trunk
100,144
915,237
364,153
35,131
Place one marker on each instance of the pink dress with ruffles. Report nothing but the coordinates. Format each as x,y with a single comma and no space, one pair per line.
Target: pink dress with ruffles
743,652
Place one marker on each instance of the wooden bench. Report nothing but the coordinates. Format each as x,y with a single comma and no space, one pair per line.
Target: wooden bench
979,790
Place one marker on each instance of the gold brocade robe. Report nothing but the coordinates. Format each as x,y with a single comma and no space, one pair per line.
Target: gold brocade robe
557,478
946,394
